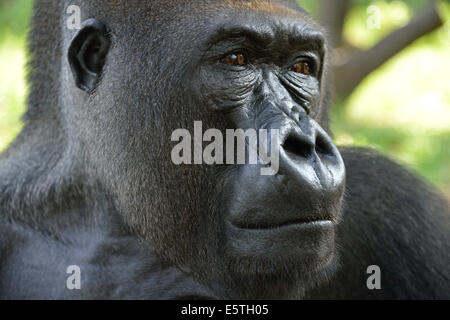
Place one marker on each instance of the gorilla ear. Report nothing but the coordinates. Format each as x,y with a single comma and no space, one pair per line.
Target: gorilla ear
87,54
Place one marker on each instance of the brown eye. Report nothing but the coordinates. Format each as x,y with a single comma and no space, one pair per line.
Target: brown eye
301,67
235,59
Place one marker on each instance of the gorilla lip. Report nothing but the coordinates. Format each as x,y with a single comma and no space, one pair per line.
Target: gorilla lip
316,220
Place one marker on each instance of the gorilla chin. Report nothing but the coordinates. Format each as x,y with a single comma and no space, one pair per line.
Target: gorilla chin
310,244
298,254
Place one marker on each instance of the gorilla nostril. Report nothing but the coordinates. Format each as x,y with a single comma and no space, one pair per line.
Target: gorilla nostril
323,146
297,146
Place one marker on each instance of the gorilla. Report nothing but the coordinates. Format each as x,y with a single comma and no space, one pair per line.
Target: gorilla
90,184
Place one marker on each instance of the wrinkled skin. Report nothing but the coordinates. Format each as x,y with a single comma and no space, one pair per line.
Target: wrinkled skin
90,180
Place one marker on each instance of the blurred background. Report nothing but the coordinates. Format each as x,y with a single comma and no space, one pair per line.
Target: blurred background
392,77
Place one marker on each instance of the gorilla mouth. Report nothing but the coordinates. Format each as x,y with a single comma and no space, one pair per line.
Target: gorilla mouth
277,225
309,238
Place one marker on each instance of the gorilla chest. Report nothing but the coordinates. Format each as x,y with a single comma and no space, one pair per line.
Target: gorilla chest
104,267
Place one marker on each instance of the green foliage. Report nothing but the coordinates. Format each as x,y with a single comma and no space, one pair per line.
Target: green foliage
312,6
403,108
14,17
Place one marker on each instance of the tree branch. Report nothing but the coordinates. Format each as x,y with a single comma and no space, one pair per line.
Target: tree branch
353,70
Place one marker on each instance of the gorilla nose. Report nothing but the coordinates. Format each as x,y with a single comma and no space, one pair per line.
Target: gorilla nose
309,154
309,184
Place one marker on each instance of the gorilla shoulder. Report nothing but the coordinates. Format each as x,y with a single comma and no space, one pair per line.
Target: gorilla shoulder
395,220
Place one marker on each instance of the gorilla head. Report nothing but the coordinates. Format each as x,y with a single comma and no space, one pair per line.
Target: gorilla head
148,68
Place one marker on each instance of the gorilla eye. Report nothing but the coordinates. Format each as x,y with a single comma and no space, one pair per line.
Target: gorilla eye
235,59
303,67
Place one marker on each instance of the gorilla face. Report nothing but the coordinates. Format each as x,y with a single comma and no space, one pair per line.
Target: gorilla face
254,66
264,72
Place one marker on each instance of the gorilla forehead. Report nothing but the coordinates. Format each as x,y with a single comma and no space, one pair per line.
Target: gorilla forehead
195,13
265,29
